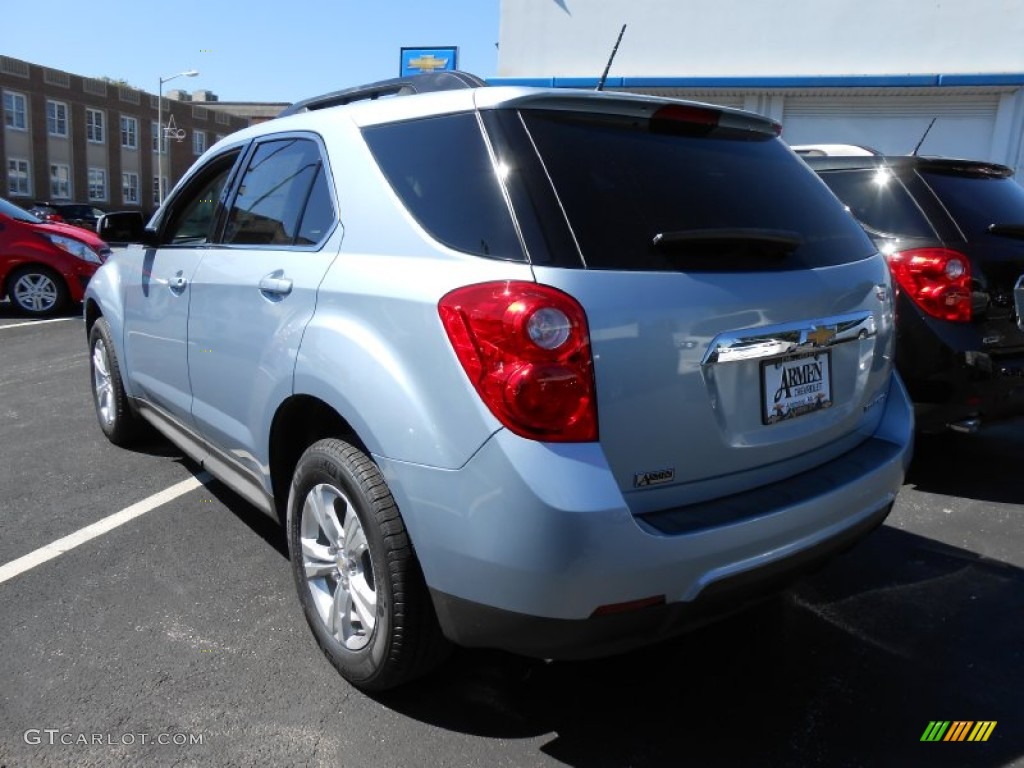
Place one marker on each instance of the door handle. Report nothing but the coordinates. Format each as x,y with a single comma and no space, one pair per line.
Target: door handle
275,284
178,282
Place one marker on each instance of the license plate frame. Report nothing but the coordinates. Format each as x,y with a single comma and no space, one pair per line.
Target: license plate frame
795,385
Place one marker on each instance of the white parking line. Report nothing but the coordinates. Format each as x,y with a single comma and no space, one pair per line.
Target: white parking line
38,322
109,523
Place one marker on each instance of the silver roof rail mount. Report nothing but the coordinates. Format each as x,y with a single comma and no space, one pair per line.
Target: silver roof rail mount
449,80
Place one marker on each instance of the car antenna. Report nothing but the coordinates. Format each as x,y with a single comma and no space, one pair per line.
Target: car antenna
914,153
608,66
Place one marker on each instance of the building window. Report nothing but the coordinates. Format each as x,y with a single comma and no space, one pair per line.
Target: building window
198,142
18,178
15,111
156,189
11,66
57,118
94,126
56,77
155,128
128,94
95,87
129,132
130,187
97,184
60,181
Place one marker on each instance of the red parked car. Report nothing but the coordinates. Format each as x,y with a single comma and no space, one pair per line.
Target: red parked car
43,266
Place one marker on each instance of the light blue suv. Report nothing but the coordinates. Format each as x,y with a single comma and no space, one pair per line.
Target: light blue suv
557,372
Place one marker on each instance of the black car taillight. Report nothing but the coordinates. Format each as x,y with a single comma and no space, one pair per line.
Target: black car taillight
938,280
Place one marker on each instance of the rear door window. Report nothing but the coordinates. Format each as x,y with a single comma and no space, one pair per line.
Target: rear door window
318,218
272,196
623,183
878,200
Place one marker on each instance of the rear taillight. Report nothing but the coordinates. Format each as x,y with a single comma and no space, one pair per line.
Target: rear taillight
526,349
937,279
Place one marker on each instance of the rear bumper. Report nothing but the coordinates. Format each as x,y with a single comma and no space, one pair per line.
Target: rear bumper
475,625
976,386
527,546
952,375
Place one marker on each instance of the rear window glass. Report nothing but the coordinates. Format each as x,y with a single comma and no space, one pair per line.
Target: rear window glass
976,202
622,186
878,200
442,171
273,193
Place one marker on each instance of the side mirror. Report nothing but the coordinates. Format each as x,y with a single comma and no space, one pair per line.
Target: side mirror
124,227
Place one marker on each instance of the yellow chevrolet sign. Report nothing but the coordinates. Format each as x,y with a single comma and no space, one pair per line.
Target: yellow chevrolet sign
428,63
421,61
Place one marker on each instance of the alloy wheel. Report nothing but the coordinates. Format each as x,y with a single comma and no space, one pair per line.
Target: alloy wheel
336,562
36,292
101,383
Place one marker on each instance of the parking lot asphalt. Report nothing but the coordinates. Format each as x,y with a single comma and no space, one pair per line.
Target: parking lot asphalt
182,625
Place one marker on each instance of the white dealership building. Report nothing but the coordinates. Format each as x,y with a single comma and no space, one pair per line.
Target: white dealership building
873,73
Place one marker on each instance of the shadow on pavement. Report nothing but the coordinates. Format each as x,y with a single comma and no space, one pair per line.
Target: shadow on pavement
847,669
985,466
9,312
271,531
268,529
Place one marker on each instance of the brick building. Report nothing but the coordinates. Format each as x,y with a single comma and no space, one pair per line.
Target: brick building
79,139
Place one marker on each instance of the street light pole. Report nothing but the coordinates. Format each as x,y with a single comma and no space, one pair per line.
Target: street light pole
160,132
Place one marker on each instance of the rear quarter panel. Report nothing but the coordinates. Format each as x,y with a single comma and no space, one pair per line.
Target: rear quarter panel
376,350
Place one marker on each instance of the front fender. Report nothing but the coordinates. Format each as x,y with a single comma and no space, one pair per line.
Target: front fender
105,293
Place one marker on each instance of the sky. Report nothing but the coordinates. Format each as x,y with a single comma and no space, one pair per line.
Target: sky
247,50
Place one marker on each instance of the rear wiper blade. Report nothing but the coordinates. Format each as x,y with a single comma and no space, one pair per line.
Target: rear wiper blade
784,239
1007,230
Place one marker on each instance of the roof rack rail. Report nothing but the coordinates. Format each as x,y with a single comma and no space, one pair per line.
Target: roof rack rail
449,80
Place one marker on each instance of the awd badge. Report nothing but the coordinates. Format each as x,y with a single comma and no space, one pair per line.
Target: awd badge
658,477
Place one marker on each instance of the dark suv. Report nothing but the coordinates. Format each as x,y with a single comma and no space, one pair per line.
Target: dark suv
78,214
953,234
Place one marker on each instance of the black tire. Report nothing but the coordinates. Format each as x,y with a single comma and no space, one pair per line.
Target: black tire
37,291
404,640
117,420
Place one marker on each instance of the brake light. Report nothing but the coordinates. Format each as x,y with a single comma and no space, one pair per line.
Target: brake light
938,280
691,119
686,113
526,349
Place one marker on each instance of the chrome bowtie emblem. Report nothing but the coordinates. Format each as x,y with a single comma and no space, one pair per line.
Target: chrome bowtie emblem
820,336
